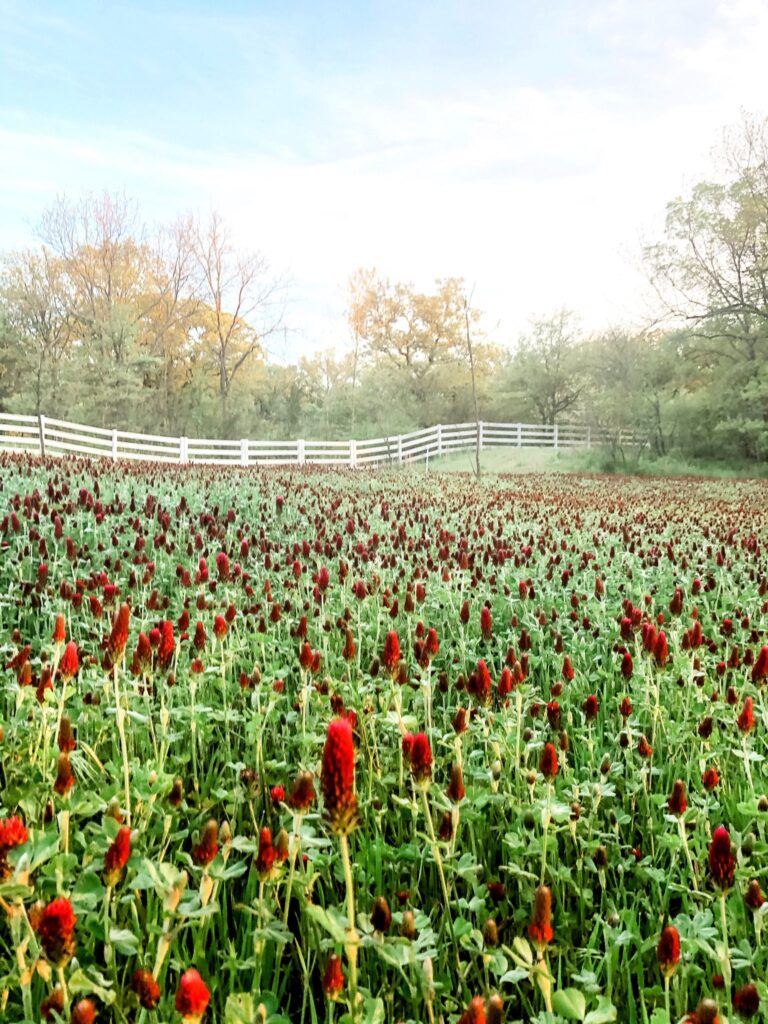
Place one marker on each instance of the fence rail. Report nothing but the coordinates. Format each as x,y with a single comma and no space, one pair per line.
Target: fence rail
47,436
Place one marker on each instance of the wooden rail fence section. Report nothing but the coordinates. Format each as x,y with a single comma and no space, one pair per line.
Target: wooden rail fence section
41,435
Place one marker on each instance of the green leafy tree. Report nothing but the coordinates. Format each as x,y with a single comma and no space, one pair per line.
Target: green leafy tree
545,377
711,274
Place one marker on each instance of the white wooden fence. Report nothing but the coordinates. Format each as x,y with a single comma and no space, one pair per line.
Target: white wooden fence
41,435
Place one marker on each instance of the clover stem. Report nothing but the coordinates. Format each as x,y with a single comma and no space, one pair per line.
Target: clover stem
666,997
726,959
684,841
351,946
120,712
545,825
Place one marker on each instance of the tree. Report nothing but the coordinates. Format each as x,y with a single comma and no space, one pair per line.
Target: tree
633,382
36,298
173,321
408,333
546,371
711,274
114,287
243,303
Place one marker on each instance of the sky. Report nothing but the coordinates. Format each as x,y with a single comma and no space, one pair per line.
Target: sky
527,147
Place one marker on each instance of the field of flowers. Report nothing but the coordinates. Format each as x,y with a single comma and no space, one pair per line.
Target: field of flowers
306,746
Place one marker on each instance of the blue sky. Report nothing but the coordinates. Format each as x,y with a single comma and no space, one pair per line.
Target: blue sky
528,147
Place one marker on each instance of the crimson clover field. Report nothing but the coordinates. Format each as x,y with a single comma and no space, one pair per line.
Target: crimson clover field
305,746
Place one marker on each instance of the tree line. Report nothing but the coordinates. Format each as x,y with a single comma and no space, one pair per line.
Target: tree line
109,321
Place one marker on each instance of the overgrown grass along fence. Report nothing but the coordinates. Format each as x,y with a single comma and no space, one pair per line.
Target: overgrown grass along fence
42,435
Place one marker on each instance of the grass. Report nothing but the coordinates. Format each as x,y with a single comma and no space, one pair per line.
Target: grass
499,461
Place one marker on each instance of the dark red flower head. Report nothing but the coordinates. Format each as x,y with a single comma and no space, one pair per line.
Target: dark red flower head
553,714
56,929
710,779
381,915
142,656
540,929
302,794
506,683
146,988
760,667
118,638
208,847
69,664
306,657
460,721
267,855
65,778
746,720
59,630
167,646
722,864
495,1009
548,765
333,977
474,1013
222,565
486,622
117,856
337,780
192,996
668,951
391,654
13,833
277,795
746,1001
480,683
677,802
53,1003
66,738
419,754
705,1013
83,1012
456,791
350,648
590,707
660,649
199,637
754,897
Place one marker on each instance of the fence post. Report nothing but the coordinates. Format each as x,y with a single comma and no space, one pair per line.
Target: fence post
589,437
519,435
114,445
439,439
300,452
352,452
183,450
41,423
244,451
554,437
400,448
480,434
